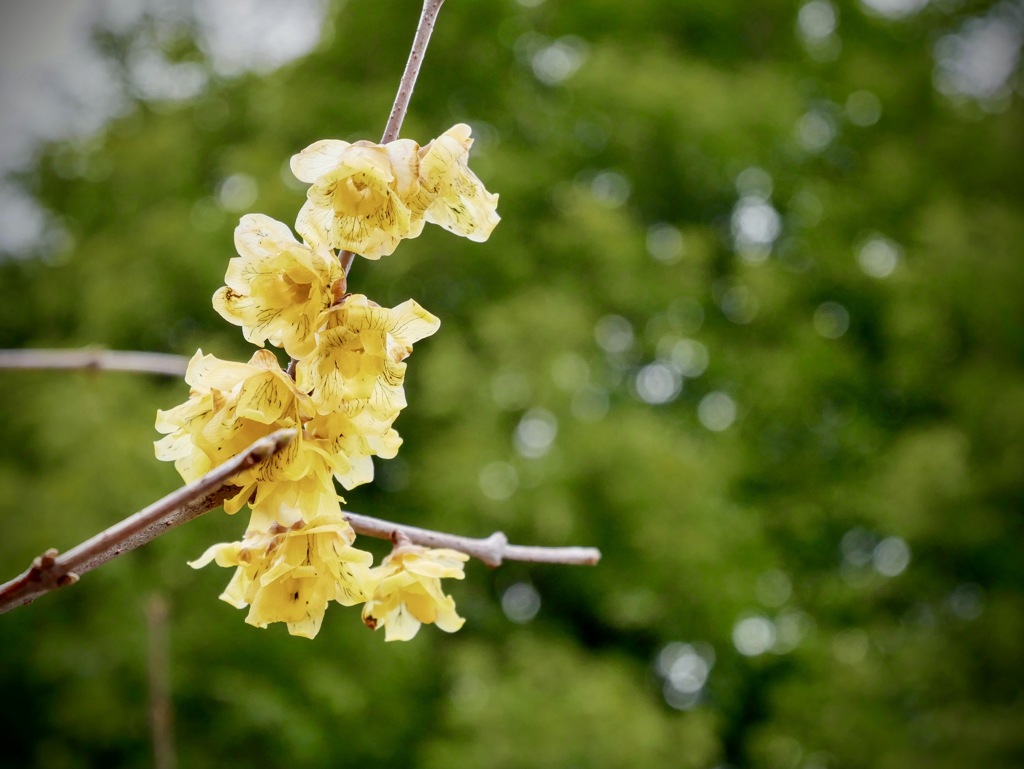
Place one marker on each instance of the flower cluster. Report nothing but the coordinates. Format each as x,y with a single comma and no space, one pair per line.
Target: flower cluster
341,393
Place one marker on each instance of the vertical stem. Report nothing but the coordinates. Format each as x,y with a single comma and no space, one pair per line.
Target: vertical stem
405,88
346,258
160,713
412,69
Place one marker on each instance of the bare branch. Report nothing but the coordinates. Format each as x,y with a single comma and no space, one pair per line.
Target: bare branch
161,714
51,570
492,550
406,85
96,359
412,69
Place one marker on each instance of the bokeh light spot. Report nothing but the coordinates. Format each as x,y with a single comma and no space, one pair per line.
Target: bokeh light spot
878,256
893,9
891,556
753,636
863,108
520,602
716,411
610,188
535,433
774,588
689,356
557,62
614,334
237,192
817,20
658,383
665,243
967,601
850,646
498,481
815,130
831,320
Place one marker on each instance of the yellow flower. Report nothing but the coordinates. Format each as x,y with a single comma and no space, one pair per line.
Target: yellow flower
450,194
358,364
359,195
408,591
347,444
276,287
230,405
367,197
290,574
304,490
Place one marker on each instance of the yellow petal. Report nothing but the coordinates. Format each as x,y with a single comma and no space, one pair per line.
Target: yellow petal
318,159
400,624
452,196
358,196
276,287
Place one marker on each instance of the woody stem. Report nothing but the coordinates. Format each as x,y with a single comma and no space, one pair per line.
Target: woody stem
405,88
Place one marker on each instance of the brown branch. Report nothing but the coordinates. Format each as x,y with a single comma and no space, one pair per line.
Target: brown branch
492,550
406,85
428,16
412,69
96,359
52,570
161,713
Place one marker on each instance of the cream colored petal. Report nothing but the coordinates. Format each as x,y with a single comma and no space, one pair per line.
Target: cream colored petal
447,618
422,606
360,472
237,589
174,446
258,236
437,563
211,553
355,584
400,624
385,446
318,159
373,159
452,196
409,323
208,372
374,234
237,502
467,210
193,467
242,310
405,162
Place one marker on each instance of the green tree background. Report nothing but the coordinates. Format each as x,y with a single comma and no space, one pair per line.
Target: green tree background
751,324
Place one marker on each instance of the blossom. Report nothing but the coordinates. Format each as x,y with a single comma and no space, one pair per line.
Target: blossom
358,365
359,195
347,444
290,574
408,591
301,491
276,287
367,197
450,194
231,405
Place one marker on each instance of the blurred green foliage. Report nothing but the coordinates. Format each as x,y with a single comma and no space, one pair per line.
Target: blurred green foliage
862,403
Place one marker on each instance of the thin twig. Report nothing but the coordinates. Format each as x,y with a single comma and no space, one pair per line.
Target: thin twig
96,359
492,550
51,570
406,85
412,69
161,714
346,258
